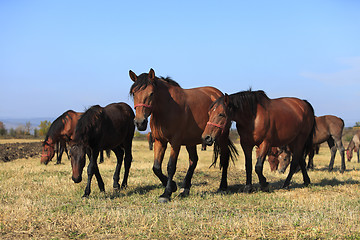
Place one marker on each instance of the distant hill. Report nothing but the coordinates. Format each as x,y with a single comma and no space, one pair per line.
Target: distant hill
16,122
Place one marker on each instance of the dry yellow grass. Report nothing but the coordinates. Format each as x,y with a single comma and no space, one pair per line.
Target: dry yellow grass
42,202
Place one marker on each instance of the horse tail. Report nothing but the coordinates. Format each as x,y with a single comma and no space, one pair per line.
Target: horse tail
233,153
309,142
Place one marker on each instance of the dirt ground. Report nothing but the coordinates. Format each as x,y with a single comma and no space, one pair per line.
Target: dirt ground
12,151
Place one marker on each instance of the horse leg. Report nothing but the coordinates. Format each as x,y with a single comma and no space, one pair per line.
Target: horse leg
302,164
358,155
171,168
91,170
193,159
159,152
341,148
101,157
248,166
298,159
311,159
61,151
333,149
119,153
264,149
127,162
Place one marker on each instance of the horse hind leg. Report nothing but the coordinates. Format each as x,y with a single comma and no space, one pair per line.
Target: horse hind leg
333,150
119,153
341,148
193,159
298,159
127,162
311,159
264,148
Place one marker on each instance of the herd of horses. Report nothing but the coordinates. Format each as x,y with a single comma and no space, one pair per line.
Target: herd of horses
284,129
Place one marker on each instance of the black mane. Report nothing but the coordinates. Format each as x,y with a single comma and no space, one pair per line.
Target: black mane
87,124
242,101
143,81
57,126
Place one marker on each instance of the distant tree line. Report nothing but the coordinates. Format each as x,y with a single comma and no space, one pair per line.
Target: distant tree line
24,131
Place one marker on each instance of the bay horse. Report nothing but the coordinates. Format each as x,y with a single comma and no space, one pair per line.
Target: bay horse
266,123
103,128
178,117
354,145
61,131
275,156
329,128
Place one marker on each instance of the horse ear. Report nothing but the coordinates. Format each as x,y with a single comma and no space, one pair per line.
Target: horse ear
151,75
226,99
132,75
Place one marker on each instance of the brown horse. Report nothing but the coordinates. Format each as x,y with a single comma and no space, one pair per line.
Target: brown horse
61,131
102,128
178,116
276,155
354,144
328,128
265,123
150,140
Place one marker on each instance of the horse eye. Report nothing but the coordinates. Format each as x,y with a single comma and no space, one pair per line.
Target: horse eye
221,115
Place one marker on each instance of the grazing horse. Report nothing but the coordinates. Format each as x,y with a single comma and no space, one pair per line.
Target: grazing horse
276,155
60,132
178,116
354,144
265,123
150,140
102,128
328,128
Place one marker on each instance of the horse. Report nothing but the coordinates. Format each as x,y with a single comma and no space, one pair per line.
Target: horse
266,123
276,155
103,128
60,132
150,140
177,116
354,144
329,128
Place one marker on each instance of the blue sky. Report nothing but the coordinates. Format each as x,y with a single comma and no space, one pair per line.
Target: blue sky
60,55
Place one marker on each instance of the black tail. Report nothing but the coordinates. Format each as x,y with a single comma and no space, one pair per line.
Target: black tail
232,152
309,142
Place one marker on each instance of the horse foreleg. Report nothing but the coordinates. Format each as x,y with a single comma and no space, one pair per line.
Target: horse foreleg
99,179
101,157
91,170
119,153
171,169
159,152
341,148
264,149
193,159
248,167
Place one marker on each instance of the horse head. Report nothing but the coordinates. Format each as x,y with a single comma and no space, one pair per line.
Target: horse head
77,156
143,94
48,152
218,120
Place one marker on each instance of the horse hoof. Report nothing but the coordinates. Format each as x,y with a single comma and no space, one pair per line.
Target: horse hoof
116,189
184,192
163,200
306,184
265,188
330,169
85,196
123,186
248,189
286,187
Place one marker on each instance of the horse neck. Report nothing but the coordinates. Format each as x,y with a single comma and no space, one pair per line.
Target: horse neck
351,145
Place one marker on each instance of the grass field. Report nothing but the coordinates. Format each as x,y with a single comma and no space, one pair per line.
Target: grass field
42,202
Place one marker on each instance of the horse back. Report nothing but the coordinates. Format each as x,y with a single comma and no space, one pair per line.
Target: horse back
327,126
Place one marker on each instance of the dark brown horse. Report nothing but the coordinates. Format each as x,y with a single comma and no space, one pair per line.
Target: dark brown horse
354,145
328,129
265,123
61,131
111,127
178,116
150,140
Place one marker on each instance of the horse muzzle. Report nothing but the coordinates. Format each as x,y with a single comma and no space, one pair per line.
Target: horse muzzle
76,180
141,124
208,140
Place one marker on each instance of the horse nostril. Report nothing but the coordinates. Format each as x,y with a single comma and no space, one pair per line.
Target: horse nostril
208,140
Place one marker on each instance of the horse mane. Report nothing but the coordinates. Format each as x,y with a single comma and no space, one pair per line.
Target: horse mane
143,81
87,124
57,125
241,101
